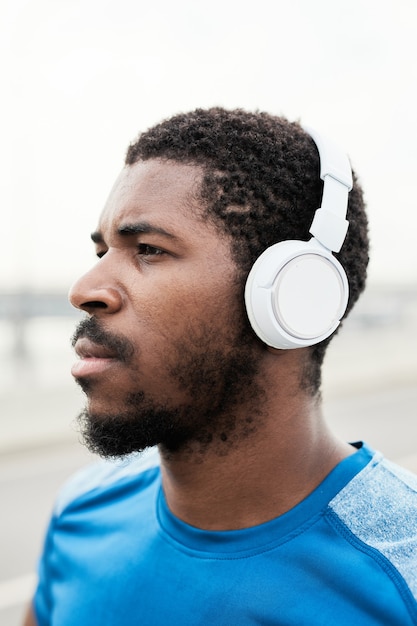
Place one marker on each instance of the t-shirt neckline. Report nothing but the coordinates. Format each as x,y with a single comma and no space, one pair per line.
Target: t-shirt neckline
248,541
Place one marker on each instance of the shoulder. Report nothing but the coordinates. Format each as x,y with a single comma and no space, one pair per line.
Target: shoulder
103,476
381,489
379,509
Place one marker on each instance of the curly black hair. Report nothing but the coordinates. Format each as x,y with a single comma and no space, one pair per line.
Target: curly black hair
261,185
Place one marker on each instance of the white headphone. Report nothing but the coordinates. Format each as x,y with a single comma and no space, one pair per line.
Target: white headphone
297,291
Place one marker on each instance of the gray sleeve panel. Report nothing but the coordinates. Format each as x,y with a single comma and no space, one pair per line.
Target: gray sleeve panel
379,507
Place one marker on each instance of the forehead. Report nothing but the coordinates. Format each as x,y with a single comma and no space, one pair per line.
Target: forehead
156,191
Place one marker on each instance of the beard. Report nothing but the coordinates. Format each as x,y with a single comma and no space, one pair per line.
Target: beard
217,374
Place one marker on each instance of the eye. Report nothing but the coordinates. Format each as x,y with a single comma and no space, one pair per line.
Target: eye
145,249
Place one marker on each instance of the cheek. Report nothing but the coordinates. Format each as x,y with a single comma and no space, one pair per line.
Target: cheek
178,303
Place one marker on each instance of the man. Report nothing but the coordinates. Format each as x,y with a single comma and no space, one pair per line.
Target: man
253,511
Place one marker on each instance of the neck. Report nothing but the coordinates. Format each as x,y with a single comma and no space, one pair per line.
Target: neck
262,476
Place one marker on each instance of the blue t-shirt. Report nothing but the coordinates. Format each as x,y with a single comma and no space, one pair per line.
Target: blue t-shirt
347,554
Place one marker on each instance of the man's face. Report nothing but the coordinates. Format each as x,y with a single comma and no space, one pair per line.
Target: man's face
166,356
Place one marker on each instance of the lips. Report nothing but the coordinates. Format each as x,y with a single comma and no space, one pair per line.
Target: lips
87,349
93,358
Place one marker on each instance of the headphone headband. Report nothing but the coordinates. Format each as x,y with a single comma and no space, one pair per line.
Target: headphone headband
329,225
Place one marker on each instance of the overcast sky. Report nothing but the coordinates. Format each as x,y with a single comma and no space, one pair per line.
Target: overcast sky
81,78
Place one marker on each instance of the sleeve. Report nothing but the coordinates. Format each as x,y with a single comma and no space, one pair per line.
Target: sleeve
42,602
53,566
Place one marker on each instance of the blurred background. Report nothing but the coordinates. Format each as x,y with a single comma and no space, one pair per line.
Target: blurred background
80,79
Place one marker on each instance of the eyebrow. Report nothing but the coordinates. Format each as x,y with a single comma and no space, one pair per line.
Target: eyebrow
133,229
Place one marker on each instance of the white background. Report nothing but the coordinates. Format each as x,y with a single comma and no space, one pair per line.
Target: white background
81,78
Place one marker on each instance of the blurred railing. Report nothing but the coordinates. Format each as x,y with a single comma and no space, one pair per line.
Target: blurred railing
20,307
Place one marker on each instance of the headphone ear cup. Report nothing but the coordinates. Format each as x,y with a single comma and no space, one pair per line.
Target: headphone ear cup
295,295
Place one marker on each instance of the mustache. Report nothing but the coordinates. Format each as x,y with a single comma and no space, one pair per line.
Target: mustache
91,329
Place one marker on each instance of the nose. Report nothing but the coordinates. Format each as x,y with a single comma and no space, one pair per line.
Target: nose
94,293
